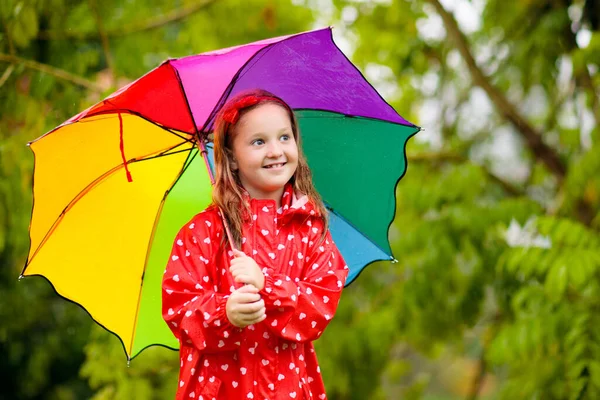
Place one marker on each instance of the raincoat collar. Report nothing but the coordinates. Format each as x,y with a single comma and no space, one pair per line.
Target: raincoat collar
292,203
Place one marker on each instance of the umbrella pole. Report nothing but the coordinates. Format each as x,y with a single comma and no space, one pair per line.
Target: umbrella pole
204,153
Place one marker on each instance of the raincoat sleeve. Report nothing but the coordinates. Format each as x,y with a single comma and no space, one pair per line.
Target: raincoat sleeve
193,309
299,312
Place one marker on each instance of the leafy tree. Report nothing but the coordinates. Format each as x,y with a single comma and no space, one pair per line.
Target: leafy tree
497,249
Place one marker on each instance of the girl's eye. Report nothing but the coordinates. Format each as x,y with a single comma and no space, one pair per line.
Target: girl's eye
257,142
285,137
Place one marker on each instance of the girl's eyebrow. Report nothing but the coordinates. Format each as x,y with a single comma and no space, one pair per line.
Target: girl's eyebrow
261,134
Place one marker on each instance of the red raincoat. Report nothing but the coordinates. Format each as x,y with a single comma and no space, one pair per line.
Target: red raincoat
304,277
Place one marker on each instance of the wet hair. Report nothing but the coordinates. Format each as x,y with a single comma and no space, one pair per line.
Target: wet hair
228,191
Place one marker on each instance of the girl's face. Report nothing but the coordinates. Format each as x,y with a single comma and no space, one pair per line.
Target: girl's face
265,153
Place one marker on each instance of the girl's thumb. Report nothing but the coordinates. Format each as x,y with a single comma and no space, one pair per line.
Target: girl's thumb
238,253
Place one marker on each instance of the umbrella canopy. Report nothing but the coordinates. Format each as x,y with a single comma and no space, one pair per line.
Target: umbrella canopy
114,184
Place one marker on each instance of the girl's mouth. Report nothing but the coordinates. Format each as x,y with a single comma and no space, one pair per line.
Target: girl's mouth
274,166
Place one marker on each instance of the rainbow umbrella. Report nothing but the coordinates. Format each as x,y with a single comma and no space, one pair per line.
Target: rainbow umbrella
114,184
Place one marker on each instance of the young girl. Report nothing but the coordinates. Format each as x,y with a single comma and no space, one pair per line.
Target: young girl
246,313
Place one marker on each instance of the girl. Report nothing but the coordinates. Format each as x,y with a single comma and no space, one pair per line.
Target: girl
245,319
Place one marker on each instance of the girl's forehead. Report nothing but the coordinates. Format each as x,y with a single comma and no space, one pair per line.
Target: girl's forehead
268,117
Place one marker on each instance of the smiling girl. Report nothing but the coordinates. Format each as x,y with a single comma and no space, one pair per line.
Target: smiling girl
246,313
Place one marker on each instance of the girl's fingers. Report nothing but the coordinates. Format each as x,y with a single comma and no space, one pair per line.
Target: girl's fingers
235,266
250,308
257,320
240,271
253,317
238,267
244,278
239,260
246,289
247,298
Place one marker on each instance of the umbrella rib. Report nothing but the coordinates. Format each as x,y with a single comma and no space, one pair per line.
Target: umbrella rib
185,98
124,110
342,115
113,111
234,80
365,79
167,152
82,193
263,52
186,164
340,216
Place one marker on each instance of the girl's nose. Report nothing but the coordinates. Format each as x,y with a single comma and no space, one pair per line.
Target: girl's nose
274,151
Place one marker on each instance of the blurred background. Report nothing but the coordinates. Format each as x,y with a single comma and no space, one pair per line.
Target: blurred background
496,294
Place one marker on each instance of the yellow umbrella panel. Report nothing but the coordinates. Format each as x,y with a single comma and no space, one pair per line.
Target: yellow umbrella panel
93,231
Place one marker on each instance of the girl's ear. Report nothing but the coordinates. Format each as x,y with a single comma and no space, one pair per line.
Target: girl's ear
233,164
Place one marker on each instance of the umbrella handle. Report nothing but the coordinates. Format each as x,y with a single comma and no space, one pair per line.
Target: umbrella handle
227,230
204,152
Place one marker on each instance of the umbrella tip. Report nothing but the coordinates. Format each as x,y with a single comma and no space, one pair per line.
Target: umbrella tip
394,261
20,277
128,362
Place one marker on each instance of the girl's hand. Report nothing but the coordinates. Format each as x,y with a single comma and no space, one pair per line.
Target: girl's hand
245,270
245,307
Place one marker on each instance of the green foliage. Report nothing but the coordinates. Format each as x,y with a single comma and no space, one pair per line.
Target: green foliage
492,266
554,295
498,256
149,376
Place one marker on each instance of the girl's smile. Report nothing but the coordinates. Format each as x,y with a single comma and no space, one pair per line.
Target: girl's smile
274,166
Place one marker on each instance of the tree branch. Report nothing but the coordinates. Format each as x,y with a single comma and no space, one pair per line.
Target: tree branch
533,138
6,74
477,383
152,23
104,40
50,70
587,82
11,46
